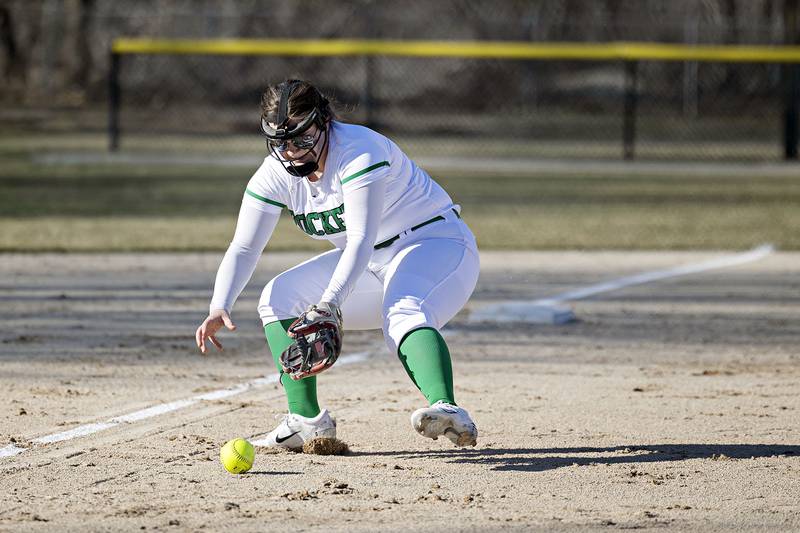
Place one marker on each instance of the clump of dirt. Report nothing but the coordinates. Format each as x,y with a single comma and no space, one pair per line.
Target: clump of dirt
302,495
325,446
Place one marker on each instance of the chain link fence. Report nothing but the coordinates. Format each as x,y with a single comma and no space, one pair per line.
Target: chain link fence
432,106
479,107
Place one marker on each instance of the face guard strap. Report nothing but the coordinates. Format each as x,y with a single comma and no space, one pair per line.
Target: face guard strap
281,133
281,119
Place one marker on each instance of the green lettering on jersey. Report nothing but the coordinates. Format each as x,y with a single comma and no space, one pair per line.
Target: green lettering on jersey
335,216
310,218
300,220
330,222
326,227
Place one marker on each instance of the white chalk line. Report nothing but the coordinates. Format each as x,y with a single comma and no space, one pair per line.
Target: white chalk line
646,277
156,410
489,312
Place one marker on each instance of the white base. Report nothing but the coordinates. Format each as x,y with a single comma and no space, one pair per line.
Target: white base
531,313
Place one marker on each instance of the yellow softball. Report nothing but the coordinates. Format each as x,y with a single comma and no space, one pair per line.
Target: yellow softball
237,456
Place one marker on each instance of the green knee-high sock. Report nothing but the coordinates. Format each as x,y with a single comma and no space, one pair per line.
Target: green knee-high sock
301,395
425,356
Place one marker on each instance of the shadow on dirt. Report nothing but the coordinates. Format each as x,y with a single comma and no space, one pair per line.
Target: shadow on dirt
542,459
269,473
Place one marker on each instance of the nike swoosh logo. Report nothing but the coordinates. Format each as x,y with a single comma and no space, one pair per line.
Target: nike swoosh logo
287,437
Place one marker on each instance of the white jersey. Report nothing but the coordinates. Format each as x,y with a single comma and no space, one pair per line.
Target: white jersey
357,156
370,192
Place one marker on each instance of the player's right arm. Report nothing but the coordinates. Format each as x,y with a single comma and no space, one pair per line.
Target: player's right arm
257,221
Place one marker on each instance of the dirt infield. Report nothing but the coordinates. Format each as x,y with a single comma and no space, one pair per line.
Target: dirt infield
669,405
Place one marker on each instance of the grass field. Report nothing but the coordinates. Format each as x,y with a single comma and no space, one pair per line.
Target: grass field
107,207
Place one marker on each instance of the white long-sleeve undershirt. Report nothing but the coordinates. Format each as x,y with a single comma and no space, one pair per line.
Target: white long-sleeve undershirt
253,230
364,207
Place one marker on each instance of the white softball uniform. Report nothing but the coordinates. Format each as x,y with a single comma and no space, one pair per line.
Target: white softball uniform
403,258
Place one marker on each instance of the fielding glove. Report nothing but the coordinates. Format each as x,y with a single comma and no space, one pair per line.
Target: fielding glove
317,335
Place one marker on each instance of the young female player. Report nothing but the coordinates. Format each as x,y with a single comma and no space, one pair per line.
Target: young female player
403,260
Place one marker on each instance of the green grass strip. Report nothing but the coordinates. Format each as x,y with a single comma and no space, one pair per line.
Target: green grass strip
368,169
267,200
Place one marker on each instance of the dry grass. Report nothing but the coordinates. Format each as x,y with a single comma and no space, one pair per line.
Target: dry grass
148,208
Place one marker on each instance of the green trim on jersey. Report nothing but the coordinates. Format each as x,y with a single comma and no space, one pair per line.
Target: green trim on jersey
362,172
266,200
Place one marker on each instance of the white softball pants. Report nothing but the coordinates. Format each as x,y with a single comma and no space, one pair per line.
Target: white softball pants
422,280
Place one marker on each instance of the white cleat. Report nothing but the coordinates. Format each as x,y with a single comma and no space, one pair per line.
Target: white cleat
444,419
296,430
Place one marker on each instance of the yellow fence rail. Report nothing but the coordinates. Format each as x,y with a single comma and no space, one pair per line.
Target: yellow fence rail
624,51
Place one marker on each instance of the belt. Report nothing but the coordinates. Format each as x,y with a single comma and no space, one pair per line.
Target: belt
388,242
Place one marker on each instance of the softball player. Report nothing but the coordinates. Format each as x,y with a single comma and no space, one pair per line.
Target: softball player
403,260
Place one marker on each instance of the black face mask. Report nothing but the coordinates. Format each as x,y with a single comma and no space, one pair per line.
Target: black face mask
302,169
283,133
